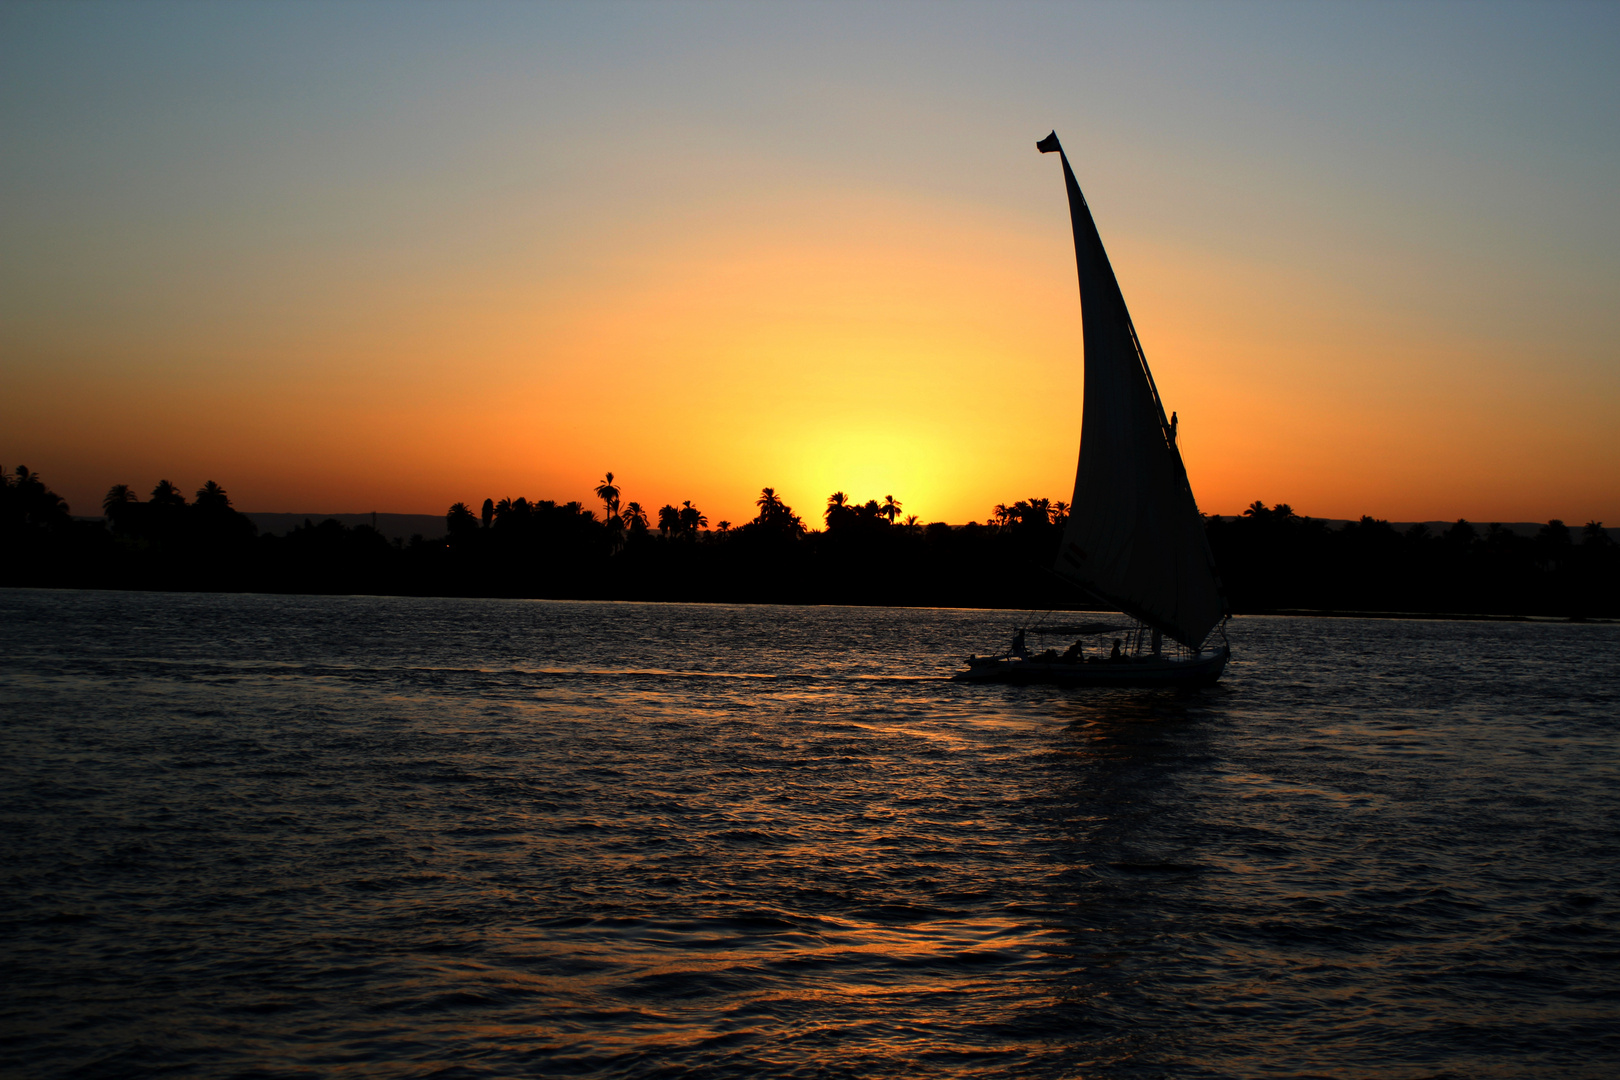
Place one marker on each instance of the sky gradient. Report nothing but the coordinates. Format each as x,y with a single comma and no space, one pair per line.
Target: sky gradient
351,257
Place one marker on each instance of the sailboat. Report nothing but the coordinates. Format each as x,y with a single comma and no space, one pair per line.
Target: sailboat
1134,539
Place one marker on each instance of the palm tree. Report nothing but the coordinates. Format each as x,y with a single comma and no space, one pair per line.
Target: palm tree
910,522
692,519
459,520
770,504
166,494
38,504
1060,513
775,514
891,509
212,497
838,510
669,519
1000,514
722,527
1460,535
635,517
118,497
609,494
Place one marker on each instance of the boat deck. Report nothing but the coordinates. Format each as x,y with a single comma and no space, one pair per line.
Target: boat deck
1201,669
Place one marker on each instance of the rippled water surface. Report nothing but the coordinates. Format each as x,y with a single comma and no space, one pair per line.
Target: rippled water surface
280,836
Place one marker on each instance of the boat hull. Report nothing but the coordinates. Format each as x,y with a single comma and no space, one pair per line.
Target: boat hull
1147,671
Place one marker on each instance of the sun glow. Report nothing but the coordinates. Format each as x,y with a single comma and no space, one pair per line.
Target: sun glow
349,301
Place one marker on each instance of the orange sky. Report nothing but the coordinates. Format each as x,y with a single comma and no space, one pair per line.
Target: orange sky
468,306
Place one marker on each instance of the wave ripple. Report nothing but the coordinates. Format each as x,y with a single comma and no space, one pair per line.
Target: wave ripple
405,837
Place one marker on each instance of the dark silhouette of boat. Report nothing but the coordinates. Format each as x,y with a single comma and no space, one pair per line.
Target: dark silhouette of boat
1134,539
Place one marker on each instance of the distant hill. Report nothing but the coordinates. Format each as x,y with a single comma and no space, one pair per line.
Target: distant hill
393,526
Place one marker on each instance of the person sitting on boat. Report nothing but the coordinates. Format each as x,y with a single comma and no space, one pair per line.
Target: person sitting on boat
1072,653
1018,648
1115,654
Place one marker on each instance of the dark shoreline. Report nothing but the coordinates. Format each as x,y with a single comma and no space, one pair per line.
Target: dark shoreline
1270,560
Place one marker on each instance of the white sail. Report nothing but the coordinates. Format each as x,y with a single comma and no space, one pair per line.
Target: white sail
1134,537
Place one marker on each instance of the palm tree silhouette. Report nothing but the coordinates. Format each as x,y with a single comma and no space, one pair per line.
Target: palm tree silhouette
212,497
838,512
891,509
609,494
692,519
166,494
635,517
37,503
460,519
775,514
118,496
669,519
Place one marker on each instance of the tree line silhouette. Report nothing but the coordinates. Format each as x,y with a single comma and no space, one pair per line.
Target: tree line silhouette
862,553
1272,558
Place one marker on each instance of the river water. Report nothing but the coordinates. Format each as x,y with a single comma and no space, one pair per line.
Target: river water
298,836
